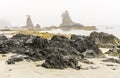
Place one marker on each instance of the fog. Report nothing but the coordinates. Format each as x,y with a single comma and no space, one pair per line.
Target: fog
48,12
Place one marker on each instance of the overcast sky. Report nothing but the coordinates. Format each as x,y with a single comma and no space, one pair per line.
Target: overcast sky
48,12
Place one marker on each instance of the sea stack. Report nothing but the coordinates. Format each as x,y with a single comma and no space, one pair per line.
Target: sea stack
67,21
29,23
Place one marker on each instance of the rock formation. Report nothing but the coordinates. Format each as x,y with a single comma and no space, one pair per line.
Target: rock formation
115,51
59,52
67,21
86,46
104,40
37,26
68,24
29,23
112,60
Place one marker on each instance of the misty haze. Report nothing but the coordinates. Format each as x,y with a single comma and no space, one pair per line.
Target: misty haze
59,38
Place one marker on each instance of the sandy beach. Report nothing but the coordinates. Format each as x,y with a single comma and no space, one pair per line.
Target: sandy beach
59,38
26,69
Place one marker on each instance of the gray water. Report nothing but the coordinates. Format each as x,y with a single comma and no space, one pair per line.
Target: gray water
115,30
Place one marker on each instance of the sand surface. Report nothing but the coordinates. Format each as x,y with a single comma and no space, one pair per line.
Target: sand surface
30,70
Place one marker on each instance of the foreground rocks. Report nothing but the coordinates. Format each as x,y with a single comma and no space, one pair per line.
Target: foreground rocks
115,51
112,60
104,40
60,62
86,46
59,52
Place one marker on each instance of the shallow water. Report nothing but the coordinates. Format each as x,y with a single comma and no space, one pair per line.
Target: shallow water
115,30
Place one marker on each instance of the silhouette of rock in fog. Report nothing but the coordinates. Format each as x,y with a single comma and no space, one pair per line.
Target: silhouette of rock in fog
29,23
67,21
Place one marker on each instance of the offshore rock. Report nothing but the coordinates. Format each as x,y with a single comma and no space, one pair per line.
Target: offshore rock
67,21
37,26
29,23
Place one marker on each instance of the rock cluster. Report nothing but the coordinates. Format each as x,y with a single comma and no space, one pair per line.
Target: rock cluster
29,24
104,40
58,52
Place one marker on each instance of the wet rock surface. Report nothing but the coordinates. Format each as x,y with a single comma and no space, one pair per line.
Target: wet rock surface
104,40
86,46
115,51
59,52
60,62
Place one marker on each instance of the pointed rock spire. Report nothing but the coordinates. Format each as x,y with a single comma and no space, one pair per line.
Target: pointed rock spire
29,23
66,19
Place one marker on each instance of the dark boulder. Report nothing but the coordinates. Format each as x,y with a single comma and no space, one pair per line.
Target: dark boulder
60,62
104,40
64,49
59,38
86,46
3,37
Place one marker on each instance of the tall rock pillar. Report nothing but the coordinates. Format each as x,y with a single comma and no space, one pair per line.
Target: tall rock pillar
29,23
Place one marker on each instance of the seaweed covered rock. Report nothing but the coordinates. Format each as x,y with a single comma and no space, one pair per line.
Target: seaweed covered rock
59,38
86,46
104,40
29,40
115,51
60,62
58,52
3,37
26,45
64,49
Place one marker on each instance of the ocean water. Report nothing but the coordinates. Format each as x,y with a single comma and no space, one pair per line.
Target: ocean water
115,30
